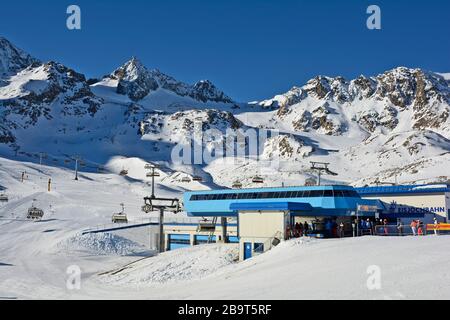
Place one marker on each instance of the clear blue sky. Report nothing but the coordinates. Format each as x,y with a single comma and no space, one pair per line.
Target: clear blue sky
252,49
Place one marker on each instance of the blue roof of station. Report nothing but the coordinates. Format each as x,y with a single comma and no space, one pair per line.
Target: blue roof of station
270,206
404,189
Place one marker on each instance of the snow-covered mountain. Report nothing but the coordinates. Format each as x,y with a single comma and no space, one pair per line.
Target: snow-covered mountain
13,59
402,99
370,128
136,81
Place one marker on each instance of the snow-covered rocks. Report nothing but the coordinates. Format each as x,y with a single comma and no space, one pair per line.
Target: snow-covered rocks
101,244
286,147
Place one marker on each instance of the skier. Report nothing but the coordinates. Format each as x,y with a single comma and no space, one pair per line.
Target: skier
414,227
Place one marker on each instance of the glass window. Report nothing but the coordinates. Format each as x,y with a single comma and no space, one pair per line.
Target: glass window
328,193
258,247
316,193
338,193
283,194
306,194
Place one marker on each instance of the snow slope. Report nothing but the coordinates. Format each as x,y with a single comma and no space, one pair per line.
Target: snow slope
35,255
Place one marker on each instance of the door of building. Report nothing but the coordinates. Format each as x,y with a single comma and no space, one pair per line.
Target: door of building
247,250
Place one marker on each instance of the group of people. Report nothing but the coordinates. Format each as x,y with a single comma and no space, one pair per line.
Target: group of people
301,229
417,227
331,228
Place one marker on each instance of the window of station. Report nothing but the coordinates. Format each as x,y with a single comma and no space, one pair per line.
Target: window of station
276,195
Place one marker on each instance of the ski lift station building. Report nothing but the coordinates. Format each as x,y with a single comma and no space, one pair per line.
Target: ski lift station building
263,216
406,201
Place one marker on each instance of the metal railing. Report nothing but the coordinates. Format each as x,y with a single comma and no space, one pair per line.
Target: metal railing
138,222
398,230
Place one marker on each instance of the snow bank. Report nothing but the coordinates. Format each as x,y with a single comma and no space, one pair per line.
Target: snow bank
101,244
186,264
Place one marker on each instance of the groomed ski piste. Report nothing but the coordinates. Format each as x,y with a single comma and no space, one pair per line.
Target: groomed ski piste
35,255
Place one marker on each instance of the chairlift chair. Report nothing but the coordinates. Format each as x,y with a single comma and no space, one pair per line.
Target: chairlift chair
206,225
237,185
257,179
120,217
149,174
185,179
3,197
35,213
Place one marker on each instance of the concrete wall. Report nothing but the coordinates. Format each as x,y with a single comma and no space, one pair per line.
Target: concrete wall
261,227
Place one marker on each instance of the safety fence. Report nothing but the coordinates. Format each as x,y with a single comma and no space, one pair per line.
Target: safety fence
407,230
142,222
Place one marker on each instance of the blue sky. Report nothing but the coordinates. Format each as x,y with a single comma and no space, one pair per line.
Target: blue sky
251,49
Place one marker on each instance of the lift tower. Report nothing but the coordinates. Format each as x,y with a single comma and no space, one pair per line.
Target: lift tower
321,168
154,203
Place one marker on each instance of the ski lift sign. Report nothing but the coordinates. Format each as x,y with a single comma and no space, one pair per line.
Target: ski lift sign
366,208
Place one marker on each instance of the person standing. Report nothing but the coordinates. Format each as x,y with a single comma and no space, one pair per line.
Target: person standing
414,227
400,227
369,226
436,226
385,224
341,230
419,228
305,228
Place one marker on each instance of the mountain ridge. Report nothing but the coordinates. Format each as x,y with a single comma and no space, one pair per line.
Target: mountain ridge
401,114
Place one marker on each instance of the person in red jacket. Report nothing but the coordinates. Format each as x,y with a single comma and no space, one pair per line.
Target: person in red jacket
419,228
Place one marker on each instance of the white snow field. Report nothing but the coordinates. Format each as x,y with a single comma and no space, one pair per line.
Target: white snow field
34,256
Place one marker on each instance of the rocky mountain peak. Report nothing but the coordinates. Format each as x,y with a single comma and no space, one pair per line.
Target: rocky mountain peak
205,90
136,81
13,59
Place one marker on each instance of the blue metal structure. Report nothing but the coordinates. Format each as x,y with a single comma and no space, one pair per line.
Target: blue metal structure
404,189
333,200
